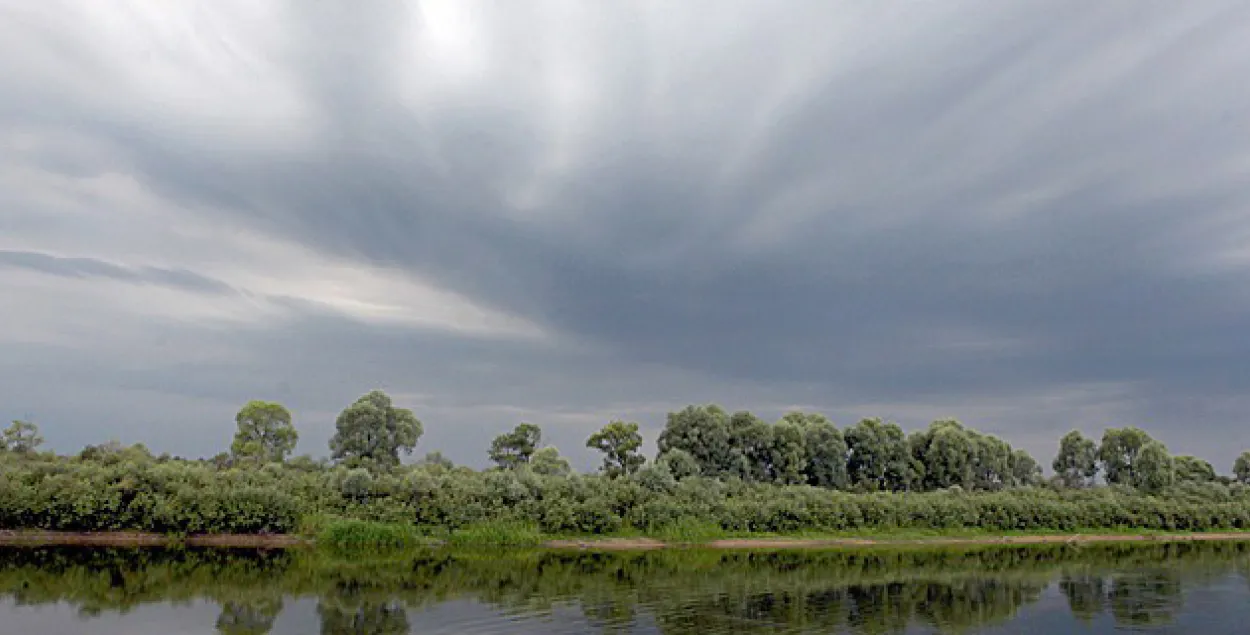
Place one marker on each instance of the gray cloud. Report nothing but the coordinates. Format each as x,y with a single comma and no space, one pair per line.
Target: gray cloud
90,267
1031,216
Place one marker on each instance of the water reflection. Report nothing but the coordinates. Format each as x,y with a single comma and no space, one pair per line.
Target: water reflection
675,593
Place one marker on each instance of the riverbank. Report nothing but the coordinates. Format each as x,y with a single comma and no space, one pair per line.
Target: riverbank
631,543
38,538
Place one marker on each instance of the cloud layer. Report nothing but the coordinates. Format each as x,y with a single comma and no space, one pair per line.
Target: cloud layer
1032,216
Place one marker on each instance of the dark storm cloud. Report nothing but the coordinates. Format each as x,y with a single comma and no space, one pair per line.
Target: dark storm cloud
811,203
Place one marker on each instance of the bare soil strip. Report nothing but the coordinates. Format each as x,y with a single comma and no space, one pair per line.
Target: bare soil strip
140,539
280,541
801,543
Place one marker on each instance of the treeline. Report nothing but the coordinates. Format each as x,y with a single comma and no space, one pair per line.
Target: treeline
716,471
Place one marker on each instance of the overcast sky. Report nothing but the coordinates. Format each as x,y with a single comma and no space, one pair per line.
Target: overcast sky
1031,216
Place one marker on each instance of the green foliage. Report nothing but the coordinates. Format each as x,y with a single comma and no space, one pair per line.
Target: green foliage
680,464
265,432
22,437
619,442
371,432
1154,468
878,457
514,449
1241,468
1193,469
1076,465
351,535
1119,453
735,472
548,462
497,534
825,449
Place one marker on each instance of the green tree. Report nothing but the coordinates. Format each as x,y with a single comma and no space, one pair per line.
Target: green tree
548,462
1119,453
679,463
948,451
436,458
1191,469
825,449
372,432
751,443
22,437
1076,465
1241,468
788,453
265,432
1025,472
703,433
878,458
619,442
1154,468
514,449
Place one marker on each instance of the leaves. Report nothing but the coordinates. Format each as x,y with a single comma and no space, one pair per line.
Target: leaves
265,432
514,449
372,432
619,441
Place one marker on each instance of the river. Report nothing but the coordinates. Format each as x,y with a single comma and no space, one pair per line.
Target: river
1200,588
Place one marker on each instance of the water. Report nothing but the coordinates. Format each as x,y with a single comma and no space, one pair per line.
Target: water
1195,588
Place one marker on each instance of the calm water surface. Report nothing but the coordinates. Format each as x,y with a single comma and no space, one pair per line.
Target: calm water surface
1197,588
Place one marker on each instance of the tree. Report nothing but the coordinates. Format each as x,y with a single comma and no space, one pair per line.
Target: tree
1191,469
1154,468
1025,472
751,443
948,452
265,432
619,441
679,463
878,457
21,438
372,432
1076,465
1241,468
703,433
514,449
1119,453
825,449
548,462
436,458
788,453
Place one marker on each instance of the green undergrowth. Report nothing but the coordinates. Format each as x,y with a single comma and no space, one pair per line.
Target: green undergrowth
357,536
362,534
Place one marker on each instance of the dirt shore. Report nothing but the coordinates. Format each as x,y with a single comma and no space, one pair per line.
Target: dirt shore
278,541
140,539
801,543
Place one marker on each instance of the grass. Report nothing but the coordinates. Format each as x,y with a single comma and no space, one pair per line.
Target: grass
497,534
349,535
358,535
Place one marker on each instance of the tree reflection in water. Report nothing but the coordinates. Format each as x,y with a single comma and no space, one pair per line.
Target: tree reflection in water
682,592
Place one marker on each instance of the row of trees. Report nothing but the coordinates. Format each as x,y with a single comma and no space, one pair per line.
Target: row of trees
705,440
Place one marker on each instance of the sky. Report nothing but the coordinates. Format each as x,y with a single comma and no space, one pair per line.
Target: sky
1032,216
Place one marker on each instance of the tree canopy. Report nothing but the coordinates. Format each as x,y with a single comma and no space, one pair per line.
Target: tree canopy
514,449
620,442
372,432
265,432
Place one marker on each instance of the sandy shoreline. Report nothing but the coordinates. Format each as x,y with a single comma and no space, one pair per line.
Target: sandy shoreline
802,543
281,541
141,539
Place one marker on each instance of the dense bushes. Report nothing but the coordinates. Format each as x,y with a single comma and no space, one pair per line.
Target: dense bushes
194,497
